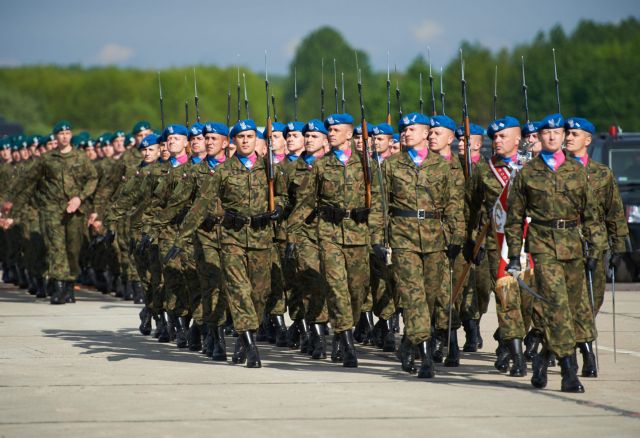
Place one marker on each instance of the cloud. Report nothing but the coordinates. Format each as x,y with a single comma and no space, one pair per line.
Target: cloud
427,31
9,62
291,46
113,54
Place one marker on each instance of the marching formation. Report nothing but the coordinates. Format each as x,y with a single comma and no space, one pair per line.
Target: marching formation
221,230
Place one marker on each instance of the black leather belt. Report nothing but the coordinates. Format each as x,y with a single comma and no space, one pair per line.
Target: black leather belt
558,224
417,214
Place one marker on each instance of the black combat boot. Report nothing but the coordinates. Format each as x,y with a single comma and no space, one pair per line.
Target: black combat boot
33,288
453,354
502,357
158,321
207,343
539,369
395,320
305,331
407,356
219,353
471,336
389,337
293,335
349,358
426,370
281,330
195,337
532,342
262,334
108,282
368,334
92,277
480,340
551,360
360,331
240,352
253,355
317,346
69,292
138,292
228,327
182,335
57,292
128,291
570,381
589,367
145,321
519,364
41,288
162,328
437,346
336,348
21,278
118,286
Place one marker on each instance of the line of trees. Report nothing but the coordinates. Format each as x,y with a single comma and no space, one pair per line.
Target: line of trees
597,66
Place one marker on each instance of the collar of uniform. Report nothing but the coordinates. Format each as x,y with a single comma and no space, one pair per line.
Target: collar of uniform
430,160
259,164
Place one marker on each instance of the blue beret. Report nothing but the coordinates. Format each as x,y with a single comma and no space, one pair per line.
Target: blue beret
142,125
149,140
195,129
338,119
62,125
162,137
259,133
552,121
314,125
176,130
278,127
580,123
442,121
412,119
293,127
243,125
500,124
215,128
473,130
382,129
358,130
530,128
396,138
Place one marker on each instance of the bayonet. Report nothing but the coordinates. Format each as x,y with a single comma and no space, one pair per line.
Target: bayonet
161,102
555,74
196,98
442,91
433,96
246,98
525,94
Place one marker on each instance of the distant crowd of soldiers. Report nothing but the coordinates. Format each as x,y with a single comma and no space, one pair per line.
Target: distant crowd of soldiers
179,220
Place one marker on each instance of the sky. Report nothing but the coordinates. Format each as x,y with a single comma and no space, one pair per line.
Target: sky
155,34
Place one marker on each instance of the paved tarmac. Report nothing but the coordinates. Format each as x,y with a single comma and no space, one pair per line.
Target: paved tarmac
84,370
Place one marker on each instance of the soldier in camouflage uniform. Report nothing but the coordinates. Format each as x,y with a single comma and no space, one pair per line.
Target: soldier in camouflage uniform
237,192
426,229
555,193
611,218
60,182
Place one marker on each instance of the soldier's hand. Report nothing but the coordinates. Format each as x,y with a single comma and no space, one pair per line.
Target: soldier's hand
73,205
360,215
7,206
591,263
109,237
467,250
514,267
289,252
482,252
615,260
171,254
276,213
380,252
453,251
144,244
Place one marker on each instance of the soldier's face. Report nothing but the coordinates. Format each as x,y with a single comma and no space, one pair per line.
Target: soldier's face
197,144
164,151
15,155
339,135
151,153
395,147
6,154
215,143
52,144
261,147
141,135
118,145
63,138
552,139
295,142
99,153
577,141
24,154
176,144
91,153
382,143
314,142
245,142
440,138
107,150
415,135
278,142
533,143
505,142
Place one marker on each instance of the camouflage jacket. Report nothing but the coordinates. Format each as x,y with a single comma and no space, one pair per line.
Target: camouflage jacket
541,194
430,187
301,224
110,174
56,178
234,188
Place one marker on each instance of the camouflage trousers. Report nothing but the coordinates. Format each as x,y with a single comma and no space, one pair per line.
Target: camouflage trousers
422,283
180,279
149,269
308,288
508,306
380,297
530,307
34,249
599,282
212,307
568,319
346,271
474,299
127,267
62,235
246,275
276,302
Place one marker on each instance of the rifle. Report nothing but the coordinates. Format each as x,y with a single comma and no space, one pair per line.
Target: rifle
335,84
196,99
322,90
555,73
275,111
495,94
246,99
295,96
388,92
525,94
433,96
226,152
465,116
342,101
420,101
161,102
238,92
395,68
186,104
267,133
442,91
366,168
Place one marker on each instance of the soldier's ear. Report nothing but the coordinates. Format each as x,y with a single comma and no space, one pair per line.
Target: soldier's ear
588,140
